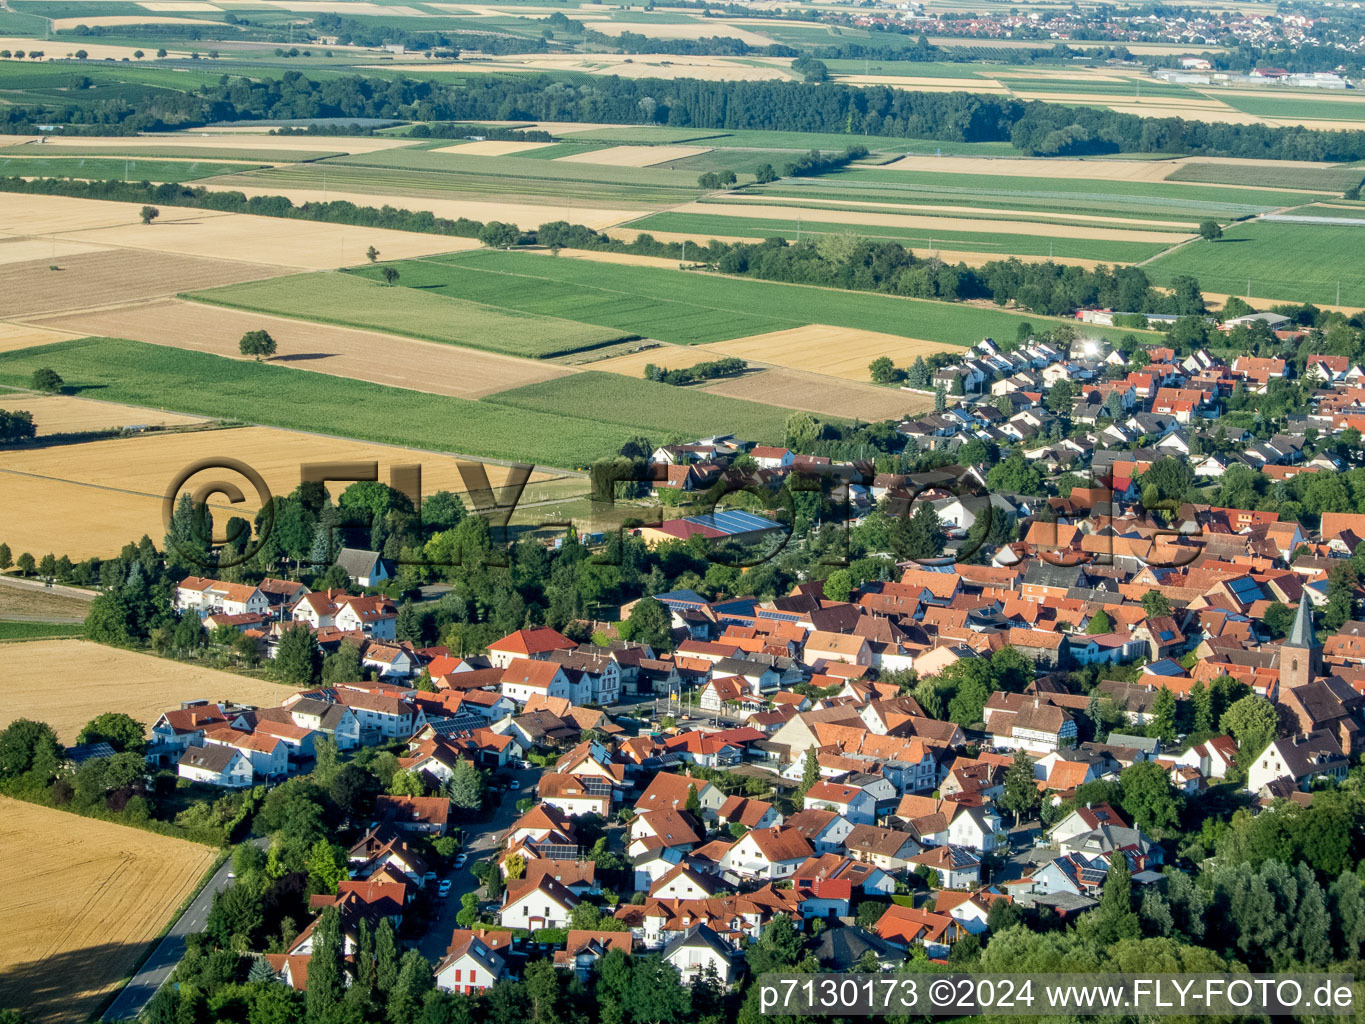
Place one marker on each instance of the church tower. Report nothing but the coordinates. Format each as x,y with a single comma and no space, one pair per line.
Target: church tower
1300,653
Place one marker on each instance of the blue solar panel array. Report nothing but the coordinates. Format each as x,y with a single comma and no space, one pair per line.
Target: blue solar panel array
730,521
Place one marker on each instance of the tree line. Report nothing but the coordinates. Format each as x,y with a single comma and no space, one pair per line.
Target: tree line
1033,127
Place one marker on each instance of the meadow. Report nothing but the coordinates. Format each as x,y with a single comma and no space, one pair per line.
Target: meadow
1290,262
1328,178
417,309
82,899
25,631
793,228
686,307
114,169
207,385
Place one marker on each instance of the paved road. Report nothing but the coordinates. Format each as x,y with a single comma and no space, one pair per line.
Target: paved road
481,842
153,974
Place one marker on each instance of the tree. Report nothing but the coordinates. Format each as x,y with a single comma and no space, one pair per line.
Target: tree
465,788
693,803
839,585
1163,725
499,235
923,536
414,981
1210,230
883,371
149,214
25,746
120,731
390,275
385,957
298,658
6,557
257,343
1252,722
1099,624
372,254
1021,788
46,380
1154,603
810,772
26,565
1148,796
1278,618
1115,919
649,623
343,665
326,985
764,174
940,397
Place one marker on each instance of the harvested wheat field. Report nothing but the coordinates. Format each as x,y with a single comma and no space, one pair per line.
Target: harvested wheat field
67,47
836,351
634,156
111,679
491,147
45,216
101,278
90,499
63,414
1101,170
114,20
891,220
83,900
814,392
52,249
274,241
303,345
17,336
524,215
19,602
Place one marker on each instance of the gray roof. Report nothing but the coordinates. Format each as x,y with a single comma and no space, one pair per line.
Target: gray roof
216,757
843,947
697,935
1302,635
357,561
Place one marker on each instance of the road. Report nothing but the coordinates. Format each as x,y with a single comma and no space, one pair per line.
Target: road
158,967
481,841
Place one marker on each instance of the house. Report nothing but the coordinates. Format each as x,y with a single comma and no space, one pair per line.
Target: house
1085,819
216,765
1213,758
365,568
535,644
699,952
1037,727
376,617
470,965
969,909
583,948
335,721
822,648
669,790
957,867
856,805
540,904
523,678
574,796
748,812
769,853
1072,873
269,755
215,597
825,830
1298,759
682,883
887,848
425,815
908,926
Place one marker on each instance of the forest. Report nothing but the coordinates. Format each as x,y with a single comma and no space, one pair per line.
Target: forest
1035,128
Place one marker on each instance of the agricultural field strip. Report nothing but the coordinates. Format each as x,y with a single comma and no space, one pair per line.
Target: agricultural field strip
936,235
511,167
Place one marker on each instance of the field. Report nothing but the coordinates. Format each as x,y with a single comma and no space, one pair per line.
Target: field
636,156
140,685
341,351
686,307
90,499
836,351
1288,262
657,409
63,414
13,336
85,898
25,631
115,170
815,392
1003,237
355,300
1290,175
19,602
205,385
112,275
234,143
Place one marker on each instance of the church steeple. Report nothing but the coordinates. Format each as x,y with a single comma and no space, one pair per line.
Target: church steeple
1302,634
1300,654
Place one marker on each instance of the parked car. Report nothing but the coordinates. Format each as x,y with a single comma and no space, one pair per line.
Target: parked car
461,860
429,877
443,889
514,784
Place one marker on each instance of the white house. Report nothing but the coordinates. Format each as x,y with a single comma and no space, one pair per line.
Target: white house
857,805
469,966
541,904
268,755
696,950
769,853
376,617
216,765
1298,760
523,678
214,597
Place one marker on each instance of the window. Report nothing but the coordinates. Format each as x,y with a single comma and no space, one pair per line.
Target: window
457,975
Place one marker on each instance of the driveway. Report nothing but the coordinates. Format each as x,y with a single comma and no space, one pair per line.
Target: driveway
482,841
158,967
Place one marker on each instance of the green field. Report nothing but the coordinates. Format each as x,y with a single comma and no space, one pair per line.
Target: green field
1285,261
721,226
686,307
38,630
1297,106
171,149
1329,178
355,301
658,409
208,385
113,169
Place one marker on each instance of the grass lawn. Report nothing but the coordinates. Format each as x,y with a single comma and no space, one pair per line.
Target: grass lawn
1287,261
353,300
686,307
569,436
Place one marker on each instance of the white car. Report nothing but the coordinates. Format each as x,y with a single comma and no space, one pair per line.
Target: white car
444,888
462,860
514,784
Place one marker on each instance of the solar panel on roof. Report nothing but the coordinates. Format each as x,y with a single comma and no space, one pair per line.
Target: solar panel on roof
731,521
